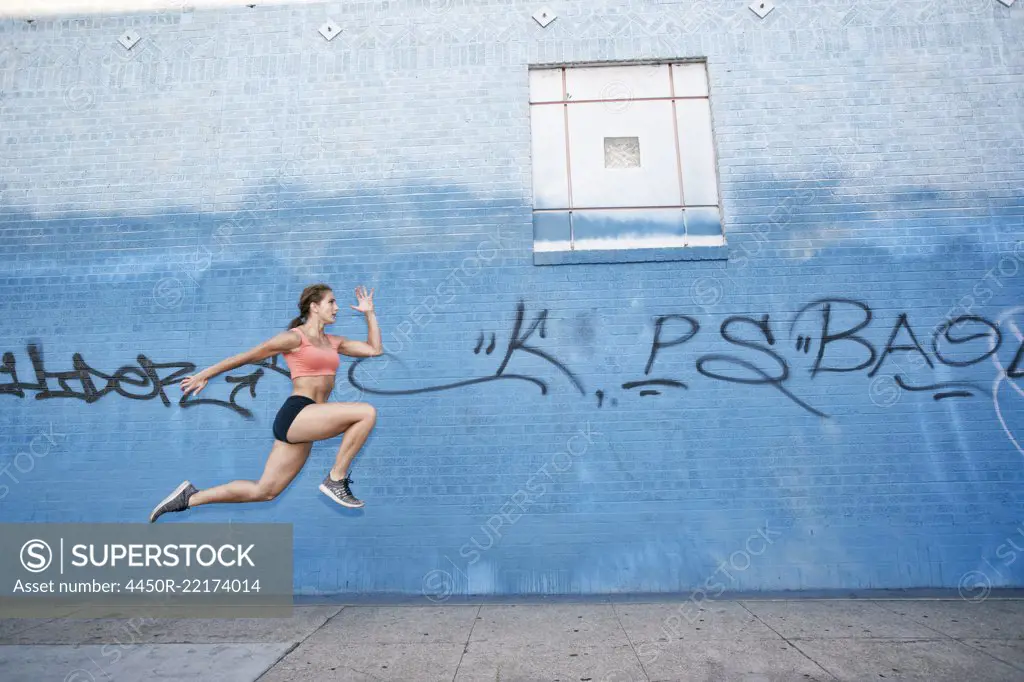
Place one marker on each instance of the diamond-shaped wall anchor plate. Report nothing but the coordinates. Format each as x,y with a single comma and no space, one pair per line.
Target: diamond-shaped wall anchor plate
761,8
129,39
544,16
330,30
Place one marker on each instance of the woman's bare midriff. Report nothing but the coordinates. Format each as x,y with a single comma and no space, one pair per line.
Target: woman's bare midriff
314,388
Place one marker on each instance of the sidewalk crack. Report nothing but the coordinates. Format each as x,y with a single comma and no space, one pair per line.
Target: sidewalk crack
465,647
633,648
880,604
295,645
786,640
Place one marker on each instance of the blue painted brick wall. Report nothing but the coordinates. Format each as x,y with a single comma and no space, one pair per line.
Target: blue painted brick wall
172,201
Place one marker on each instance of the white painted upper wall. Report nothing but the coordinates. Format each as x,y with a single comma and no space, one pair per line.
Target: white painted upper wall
22,9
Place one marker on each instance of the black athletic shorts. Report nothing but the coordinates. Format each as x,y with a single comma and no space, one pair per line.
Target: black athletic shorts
286,415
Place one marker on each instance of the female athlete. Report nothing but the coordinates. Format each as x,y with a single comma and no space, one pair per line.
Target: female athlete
306,416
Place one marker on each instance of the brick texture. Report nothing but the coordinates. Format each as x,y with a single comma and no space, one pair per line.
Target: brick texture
166,205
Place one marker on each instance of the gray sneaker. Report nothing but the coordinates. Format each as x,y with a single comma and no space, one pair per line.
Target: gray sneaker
175,502
339,492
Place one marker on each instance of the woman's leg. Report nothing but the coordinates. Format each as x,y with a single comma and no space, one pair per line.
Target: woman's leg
320,422
283,465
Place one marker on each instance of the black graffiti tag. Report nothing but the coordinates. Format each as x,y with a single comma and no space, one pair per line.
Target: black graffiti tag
146,380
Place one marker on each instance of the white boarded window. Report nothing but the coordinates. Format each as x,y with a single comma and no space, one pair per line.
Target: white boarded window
623,159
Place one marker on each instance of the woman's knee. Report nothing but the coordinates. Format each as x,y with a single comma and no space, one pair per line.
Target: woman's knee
350,415
364,412
265,492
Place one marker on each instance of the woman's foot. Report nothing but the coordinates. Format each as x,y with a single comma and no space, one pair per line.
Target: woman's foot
175,502
339,492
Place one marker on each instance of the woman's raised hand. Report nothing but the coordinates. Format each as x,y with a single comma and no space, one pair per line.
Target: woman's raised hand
365,300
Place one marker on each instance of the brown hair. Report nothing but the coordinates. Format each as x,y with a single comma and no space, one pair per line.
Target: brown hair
311,294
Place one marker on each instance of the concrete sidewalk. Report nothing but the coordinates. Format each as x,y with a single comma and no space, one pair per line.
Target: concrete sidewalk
802,639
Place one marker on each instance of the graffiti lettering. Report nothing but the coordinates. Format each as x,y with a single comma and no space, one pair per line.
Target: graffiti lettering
1016,370
147,380
945,331
517,342
901,323
842,338
762,377
955,335
658,344
828,337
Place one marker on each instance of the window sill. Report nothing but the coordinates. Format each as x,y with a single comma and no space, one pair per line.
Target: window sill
631,255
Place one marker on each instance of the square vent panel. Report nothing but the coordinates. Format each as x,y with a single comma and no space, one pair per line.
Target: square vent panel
622,152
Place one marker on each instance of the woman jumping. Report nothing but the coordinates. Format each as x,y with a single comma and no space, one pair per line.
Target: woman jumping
306,416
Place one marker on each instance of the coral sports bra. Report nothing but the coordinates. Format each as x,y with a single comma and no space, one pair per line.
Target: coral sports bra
312,361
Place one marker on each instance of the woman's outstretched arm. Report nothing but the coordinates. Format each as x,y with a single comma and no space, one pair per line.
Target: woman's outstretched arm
285,341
